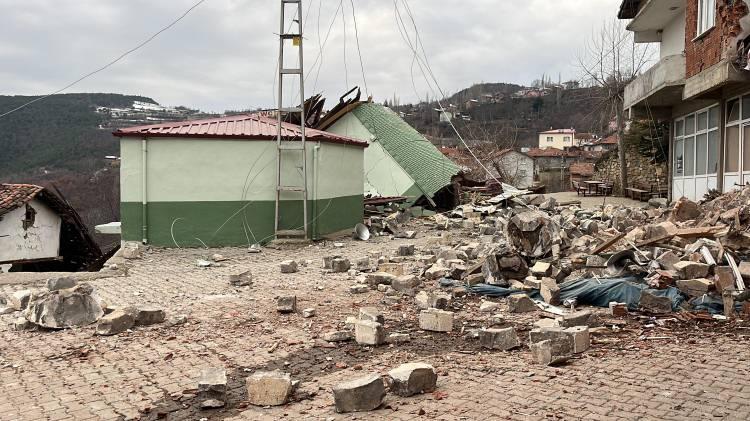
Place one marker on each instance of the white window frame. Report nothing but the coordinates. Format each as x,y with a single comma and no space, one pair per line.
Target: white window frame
566,139
706,16
711,173
550,139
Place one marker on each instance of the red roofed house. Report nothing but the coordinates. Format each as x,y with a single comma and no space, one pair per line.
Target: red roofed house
40,231
213,182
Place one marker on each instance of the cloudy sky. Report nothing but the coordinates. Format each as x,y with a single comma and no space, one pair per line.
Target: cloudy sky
223,54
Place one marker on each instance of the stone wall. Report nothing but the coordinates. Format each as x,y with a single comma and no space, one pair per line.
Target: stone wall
642,172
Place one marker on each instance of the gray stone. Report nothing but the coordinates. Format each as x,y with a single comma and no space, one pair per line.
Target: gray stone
547,353
371,314
340,265
691,270
541,269
406,250
327,260
269,388
241,280
436,272
19,300
658,202
22,324
338,336
550,292
397,338
64,308
668,259
577,318
288,266
358,289
436,320
412,378
488,306
379,278
212,384
363,264
149,315
53,284
286,304
521,303
405,283
369,333
308,312
212,404
363,394
580,337
502,339
694,287
655,304
115,322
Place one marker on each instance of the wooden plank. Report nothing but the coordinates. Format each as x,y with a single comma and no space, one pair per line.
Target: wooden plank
655,240
26,261
609,243
698,232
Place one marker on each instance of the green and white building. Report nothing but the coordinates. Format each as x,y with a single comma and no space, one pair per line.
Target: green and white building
213,182
399,160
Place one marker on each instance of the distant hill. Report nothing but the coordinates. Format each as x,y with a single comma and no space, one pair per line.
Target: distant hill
69,132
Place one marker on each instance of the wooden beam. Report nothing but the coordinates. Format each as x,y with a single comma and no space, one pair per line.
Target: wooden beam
25,261
609,243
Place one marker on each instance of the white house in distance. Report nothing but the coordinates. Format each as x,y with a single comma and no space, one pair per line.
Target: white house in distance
558,139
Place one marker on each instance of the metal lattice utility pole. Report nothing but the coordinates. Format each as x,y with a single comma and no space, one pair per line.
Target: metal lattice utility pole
287,148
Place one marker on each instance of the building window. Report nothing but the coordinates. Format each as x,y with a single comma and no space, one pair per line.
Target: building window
706,15
737,138
566,139
696,144
29,218
550,139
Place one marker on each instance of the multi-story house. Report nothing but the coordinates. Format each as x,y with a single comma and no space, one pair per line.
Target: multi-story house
700,85
558,139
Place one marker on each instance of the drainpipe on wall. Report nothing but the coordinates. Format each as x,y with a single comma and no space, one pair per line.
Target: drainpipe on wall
144,193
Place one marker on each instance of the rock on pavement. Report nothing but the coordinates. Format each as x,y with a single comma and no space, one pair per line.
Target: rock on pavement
520,303
412,378
436,320
502,339
78,306
269,388
116,322
363,394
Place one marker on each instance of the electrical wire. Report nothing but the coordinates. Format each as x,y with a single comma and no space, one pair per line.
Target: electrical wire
111,63
359,51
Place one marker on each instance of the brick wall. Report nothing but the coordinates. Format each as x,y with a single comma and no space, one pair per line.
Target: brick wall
642,172
717,43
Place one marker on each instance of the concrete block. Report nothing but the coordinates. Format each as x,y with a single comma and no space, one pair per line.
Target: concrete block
436,320
362,394
412,378
502,339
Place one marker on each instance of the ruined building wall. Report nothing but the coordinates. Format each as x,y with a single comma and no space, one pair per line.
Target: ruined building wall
719,42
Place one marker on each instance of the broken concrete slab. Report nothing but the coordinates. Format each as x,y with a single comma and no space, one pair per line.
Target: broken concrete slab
541,269
286,304
500,339
521,303
379,278
371,314
580,337
54,284
405,283
19,300
288,266
406,250
654,303
269,388
695,287
115,322
436,320
64,308
412,379
241,280
691,270
367,332
362,394
340,265
212,384
577,318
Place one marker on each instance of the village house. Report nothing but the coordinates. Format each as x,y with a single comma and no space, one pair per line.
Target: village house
558,139
39,231
700,85
213,182
506,165
606,144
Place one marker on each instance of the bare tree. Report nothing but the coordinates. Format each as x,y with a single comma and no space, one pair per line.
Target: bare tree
611,59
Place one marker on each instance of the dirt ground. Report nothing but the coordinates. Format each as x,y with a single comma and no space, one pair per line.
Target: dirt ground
639,369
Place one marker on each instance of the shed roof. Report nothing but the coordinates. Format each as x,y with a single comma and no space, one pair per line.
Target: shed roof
582,168
243,126
429,168
13,196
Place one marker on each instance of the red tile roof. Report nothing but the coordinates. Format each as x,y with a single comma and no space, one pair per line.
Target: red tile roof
244,126
582,168
13,196
609,140
549,152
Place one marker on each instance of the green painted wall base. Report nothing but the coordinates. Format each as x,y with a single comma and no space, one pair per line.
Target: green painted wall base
219,224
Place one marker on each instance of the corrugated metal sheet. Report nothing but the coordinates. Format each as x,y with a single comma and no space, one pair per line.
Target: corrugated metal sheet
245,126
429,168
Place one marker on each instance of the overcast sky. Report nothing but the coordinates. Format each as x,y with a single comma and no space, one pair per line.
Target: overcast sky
223,54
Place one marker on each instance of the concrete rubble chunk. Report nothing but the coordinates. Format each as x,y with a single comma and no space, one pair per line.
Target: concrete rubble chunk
397,338
338,336
654,303
308,312
359,289
65,308
379,278
532,233
436,320
580,337
22,324
412,379
212,384
488,306
435,272
546,323
521,303
406,250
691,270
269,388
363,264
694,287
340,265
685,209
327,260
405,283
541,269
148,315
371,314
286,304
212,404
369,333
241,280
576,318
545,353
501,339
668,259
550,292
288,266
19,300
54,284
362,394
115,322
618,309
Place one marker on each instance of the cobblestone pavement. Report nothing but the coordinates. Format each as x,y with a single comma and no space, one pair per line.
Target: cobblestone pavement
699,371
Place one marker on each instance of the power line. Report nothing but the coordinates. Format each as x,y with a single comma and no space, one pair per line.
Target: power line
359,51
123,55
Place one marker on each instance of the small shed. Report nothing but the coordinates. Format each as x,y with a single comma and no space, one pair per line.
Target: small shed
40,231
212,182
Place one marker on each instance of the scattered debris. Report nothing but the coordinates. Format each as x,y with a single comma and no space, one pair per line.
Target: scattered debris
269,388
412,378
362,394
